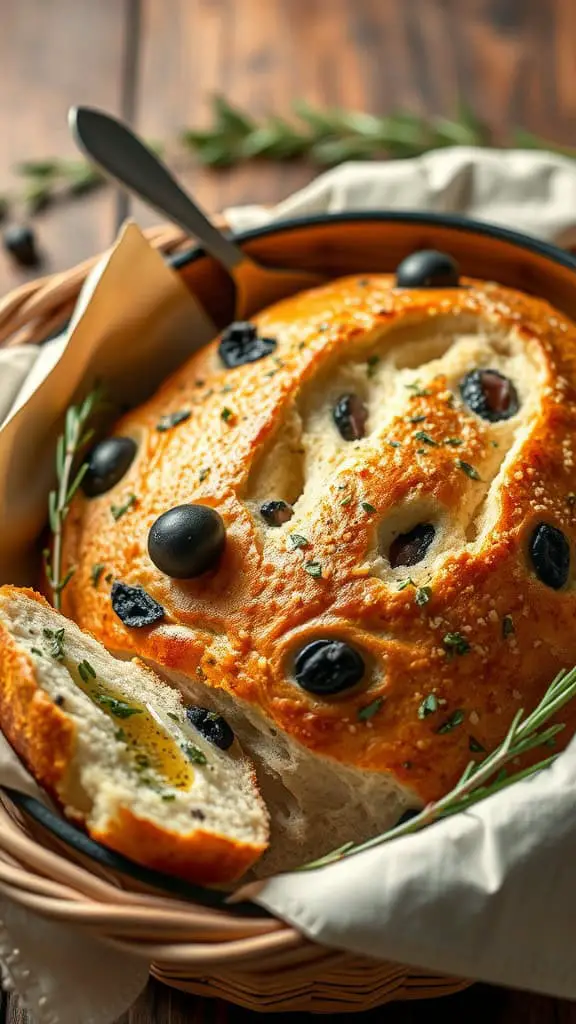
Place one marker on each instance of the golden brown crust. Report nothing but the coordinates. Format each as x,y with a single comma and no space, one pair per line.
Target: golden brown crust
44,737
243,621
41,733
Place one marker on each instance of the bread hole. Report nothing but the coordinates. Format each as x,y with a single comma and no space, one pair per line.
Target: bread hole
278,474
415,354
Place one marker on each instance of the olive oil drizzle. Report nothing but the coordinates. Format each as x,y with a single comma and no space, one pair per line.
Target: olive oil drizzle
151,745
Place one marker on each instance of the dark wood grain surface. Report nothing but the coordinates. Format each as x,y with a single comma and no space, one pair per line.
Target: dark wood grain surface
157,61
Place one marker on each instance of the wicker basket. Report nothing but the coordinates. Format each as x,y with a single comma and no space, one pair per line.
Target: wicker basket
254,961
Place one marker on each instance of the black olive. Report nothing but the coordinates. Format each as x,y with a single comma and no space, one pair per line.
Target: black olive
276,513
107,463
187,540
410,548
240,343
212,726
326,667
428,269
350,416
490,395
550,554
20,242
134,606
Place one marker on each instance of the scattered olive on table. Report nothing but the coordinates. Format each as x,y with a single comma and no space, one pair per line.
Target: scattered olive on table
187,540
19,241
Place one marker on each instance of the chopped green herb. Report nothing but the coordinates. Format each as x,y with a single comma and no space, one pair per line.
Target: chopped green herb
417,391
119,510
226,414
323,327
421,435
171,715
118,708
367,507
172,419
346,501
313,569
415,419
428,706
406,583
394,444
475,747
36,650
108,577
96,573
168,796
226,389
455,719
142,761
454,441
199,383
194,754
203,474
56,637
296,540
372,363
455,643
494,444
368,712
468,469
507,626
423,595
85,671
120,735
421,451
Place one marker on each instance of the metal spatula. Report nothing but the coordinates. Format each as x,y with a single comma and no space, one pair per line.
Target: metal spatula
126,158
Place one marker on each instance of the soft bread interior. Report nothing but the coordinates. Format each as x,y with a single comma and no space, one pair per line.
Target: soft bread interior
173,777
315,803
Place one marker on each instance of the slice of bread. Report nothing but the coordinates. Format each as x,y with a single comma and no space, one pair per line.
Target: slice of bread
115,748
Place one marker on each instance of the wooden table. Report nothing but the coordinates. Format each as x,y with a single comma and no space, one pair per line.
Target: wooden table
156,63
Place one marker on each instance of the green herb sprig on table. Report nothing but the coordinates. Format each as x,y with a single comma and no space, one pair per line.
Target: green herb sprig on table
483,778
324,137
70,445
329,137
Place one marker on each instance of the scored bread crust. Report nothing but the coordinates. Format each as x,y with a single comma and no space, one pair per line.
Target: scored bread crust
264,430
45,737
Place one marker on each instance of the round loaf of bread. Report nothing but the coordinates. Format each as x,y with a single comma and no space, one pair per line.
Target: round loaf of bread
394,471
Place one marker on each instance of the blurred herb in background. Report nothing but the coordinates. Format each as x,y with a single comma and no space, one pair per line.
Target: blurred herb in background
324,138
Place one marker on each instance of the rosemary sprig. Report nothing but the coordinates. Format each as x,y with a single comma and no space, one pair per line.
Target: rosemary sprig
70,443
329,137
486,777
323,137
